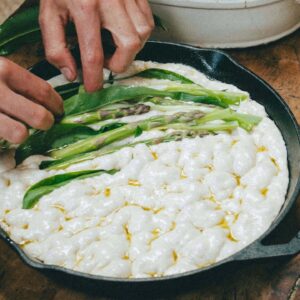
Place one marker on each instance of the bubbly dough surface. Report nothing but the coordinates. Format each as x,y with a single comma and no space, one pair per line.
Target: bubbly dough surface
172,208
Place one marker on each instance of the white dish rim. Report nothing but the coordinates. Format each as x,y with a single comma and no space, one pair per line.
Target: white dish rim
216,4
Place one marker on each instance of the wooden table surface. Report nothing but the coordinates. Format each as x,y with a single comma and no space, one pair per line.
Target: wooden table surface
277,63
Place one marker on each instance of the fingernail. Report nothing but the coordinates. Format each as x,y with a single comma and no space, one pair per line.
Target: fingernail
67,73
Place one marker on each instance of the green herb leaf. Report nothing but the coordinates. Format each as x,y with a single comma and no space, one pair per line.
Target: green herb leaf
48,185
245,121
205,99
59,136
196,93
85,102
110,126
163,74
138,131
207,127
155,73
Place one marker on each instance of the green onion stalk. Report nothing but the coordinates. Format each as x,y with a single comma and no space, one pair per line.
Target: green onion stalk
104,139
68,161
245,121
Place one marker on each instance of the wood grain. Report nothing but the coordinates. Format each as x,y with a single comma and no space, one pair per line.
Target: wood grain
277,63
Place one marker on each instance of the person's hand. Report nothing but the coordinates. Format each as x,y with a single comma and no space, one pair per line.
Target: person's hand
129,21
25,99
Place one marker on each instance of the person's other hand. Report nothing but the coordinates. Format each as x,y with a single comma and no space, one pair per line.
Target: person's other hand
25,99
129,21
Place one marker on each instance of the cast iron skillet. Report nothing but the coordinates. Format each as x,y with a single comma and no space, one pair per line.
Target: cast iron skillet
218,65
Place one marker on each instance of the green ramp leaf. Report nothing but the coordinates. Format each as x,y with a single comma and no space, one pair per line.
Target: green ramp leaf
85,102
48,185
59,136
156,73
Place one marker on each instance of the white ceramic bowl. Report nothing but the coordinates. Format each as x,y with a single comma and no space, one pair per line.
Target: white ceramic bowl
226,23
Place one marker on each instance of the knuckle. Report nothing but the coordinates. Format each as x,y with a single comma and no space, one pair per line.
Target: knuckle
46,92
133,45
19,133
4,66
88,4
54,55
42,19
152,25
94,58
42,118
117,68
145,31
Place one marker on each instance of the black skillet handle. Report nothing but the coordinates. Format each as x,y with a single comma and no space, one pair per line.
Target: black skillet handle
258,250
